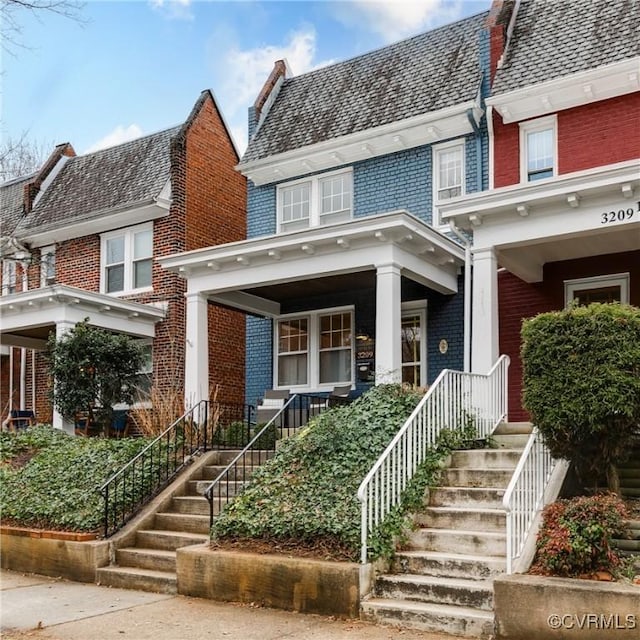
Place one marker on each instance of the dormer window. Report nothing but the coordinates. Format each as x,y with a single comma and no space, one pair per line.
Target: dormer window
538,149
315,201
448,173
127,257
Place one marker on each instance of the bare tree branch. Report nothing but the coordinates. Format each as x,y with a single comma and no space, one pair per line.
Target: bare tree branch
22,156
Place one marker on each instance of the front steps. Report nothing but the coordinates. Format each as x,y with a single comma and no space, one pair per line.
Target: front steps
150,564
442,580
629,476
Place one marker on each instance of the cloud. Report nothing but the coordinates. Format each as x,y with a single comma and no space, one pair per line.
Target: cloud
173,9
244,71
119,135
397,19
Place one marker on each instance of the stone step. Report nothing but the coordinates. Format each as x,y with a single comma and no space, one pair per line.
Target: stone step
634,527
196,505
456,518
511,428
452,565
140,579
458,621
631,492
485,543
627,545
485,459
628,472
510,441
456,477
452,591
241,472
183,522
168,540
155,559
471,497
629,482
224,456
198,487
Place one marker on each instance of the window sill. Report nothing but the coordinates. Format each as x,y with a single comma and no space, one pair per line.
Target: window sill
131,292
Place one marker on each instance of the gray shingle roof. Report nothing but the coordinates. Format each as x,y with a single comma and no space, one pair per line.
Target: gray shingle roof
119,176
425,73
553,39
11,200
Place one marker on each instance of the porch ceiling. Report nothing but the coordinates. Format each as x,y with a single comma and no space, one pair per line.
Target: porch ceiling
28,317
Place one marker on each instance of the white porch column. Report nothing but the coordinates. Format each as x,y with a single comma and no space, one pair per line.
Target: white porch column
388,324
484,327
58,421
196,364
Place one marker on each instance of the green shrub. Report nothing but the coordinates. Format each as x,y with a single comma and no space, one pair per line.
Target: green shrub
575,537
56,488
307,494
581,379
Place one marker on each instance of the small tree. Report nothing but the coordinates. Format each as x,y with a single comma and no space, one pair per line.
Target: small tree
581,378
92,370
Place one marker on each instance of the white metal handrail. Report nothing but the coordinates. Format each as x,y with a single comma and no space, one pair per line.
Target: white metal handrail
452,400
524,496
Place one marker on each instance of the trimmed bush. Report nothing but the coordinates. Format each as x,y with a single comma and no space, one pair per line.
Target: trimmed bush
575,537
581,379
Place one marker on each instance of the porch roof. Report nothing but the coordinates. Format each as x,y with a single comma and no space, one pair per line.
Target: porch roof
29,316
239,274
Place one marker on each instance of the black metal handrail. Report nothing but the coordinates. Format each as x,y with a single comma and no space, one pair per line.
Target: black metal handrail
201,428
295,413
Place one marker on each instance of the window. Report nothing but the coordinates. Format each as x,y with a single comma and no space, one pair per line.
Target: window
538,149
610,288
47,266
320,200
8,277
413,343
315,350
448,166
144,378
127,259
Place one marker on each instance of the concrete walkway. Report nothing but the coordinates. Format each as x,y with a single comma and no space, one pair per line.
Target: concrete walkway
48,609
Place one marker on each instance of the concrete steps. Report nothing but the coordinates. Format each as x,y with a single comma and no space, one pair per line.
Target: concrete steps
150,563
442,578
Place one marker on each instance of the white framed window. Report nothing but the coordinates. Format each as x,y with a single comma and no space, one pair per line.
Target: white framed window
448,173
127,260
9,277
48,266
314,350
144,377
538,149
609,288
414,343
318,200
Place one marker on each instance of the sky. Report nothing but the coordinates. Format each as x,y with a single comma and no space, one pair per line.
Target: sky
131,68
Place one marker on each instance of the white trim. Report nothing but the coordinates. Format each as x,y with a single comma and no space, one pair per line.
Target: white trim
597,282
128,259
536,126
313,349
492,160
418,307
436,150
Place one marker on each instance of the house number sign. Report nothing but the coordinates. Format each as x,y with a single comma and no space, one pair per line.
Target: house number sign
619,215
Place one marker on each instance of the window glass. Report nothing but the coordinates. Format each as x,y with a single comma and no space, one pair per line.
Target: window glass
115,278
142,244
335,194
598,294
295,203
335,348
292,352
144,378
411,349
115,250
540,154
48,267
142,274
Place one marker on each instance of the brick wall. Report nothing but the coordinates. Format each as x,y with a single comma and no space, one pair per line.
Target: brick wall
519,300
593,135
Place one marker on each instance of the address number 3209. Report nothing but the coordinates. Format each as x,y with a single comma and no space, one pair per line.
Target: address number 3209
621,215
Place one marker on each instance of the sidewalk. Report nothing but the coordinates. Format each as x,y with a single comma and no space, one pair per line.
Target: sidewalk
48,609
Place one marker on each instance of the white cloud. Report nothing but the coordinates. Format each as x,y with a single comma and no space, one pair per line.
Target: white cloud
119,135
244,71
173,9
397,19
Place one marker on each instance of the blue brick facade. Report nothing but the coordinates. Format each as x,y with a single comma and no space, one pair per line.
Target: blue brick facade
259,367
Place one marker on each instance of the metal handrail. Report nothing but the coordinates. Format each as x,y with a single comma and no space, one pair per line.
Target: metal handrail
155,466
525,493
453,399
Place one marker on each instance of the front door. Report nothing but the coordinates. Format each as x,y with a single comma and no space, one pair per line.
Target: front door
413,337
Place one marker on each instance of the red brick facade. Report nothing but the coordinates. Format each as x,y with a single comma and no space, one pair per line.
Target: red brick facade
208,207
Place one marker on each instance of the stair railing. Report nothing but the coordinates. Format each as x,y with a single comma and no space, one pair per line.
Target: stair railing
525,495
153,468
294,413
451,401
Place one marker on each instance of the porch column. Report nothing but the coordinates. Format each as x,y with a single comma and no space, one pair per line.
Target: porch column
196,364
58,421
484,326
388,324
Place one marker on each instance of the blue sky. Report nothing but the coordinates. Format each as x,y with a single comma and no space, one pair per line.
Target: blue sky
138,66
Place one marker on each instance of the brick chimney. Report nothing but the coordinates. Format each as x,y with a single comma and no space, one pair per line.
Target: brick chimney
266,97
497,24
33,187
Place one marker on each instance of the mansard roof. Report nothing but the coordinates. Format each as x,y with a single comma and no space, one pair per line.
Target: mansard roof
413,77
125,175
556,39
11,201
